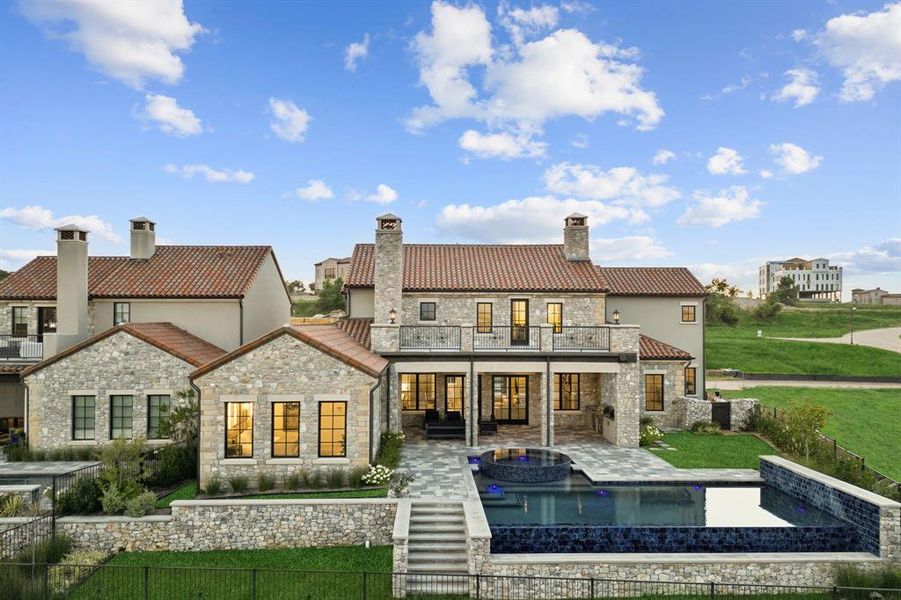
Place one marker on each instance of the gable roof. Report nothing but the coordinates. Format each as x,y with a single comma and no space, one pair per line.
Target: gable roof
165,336
651,349
172,272
482,267
328,339
356,328
651,281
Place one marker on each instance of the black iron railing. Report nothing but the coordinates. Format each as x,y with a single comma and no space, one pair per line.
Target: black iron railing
580,338
113,581
507,337
430,337
21,347
21,538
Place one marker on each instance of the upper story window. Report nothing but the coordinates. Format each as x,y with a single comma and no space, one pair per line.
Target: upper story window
688,313
417,391
484,317
427,311
555,315
121,313
238,429
566,391
20,321
330,272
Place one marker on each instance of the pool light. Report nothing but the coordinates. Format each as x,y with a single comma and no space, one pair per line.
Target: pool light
603,492
474,460
698,487
494,489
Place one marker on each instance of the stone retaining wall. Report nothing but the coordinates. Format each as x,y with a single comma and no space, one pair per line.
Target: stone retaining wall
240,525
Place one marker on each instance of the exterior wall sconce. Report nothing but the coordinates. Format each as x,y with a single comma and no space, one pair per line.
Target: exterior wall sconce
616,317
392,315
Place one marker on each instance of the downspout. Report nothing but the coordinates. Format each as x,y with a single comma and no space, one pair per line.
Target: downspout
241,321
197,396
388,392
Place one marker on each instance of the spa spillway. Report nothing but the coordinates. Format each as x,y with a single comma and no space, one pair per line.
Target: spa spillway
525,465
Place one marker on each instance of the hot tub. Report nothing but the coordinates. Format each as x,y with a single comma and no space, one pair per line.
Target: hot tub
525,465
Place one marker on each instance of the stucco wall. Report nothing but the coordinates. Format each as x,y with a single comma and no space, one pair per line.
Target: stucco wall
119,364
266,304
283,370
12,397
361,303
660,318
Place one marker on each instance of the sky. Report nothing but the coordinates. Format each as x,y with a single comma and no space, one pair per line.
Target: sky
712,135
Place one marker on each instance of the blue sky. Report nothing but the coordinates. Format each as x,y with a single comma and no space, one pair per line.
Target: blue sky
776,127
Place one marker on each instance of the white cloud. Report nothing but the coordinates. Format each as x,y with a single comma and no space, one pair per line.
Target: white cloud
532,219
524,23
794,159
663,156
39,218
742,273
212,175
802,87
169,117
289,121
580,140
501,145
355,52
577,7
745,81
884,257
799,34
729,206
620,185
383,195
866,48
629,248
13,259
766,174
133,42
316,189
726,161
562,74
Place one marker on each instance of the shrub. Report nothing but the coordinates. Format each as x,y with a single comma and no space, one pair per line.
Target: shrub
378,475
334,478
113,501
649,433
141,505
399,484
850,576
265,482
766,311
705,428
48,551
802,426
11,505
390,449
293,481
312,478
85,454
214,486
238,483
174,464
78,565
355,478
81,497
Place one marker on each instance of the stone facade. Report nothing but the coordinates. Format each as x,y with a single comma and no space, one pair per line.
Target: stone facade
196,525
460,308
686,411
389,266
283,370
673,386
120,364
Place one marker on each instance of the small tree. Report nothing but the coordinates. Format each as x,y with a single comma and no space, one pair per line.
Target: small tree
296,287
721,307
330,296
181,426
786,292
802,426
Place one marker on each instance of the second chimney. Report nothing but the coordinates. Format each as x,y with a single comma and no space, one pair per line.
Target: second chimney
71,286
143,238
389,268
575,237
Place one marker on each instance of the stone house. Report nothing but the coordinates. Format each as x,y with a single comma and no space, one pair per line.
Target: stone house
330,269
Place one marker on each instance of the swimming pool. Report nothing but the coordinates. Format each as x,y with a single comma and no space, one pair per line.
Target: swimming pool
575,515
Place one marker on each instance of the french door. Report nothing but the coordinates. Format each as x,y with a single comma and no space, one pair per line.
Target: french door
511,398
453,393
519,322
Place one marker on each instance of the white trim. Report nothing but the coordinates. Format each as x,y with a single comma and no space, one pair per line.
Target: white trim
695,304
285,461
238,461
238,397
552,301
419,302
285,398
131,393
82,393
655,372
432,367
159,392
331,461
584,367
92,442
331,398
485,300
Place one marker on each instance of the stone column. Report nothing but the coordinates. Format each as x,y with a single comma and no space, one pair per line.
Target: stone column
394,409
546,422
472,418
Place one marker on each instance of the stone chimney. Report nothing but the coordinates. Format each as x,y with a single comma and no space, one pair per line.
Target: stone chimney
389,267
575,237
143,238
71,286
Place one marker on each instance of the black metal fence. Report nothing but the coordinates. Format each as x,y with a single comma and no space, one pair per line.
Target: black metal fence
111,582
579,338
429,337
21,347
25,536
506,337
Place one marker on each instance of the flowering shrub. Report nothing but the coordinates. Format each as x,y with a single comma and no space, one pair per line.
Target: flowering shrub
378,475
649,434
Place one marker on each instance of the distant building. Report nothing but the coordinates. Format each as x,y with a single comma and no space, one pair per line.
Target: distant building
816,279
331,269
874,296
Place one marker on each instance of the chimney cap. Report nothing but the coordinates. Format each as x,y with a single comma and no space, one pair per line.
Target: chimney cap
577,215
388,217
71,227
141,220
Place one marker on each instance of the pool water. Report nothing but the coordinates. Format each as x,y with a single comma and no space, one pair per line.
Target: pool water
576,501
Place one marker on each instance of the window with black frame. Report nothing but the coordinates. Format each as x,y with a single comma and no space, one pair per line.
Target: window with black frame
688,313
285,429
121,313
427,311
453,393
332,429
691,378
566,391
238,430
158,406
653,392
484,317
83,417
121,416
555,316
20,321
417,391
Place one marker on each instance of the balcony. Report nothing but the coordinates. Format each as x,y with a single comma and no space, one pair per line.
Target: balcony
21,348
502,338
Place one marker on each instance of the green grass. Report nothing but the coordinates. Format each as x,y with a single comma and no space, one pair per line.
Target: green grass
305,308
370,493
186,491
867,422
739,348
694,451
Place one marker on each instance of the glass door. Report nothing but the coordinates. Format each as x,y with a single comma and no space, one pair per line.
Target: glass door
453,394
46,321
511,398
519,322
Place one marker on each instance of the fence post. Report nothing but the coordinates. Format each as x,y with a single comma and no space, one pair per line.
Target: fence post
364,585
834,449
253,584
834,593
593,591
712,589
53,508
146,582
478,586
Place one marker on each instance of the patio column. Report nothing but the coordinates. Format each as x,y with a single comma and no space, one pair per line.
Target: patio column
547,437
394,414
472,408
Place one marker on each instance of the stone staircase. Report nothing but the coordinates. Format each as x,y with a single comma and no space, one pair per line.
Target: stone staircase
437,544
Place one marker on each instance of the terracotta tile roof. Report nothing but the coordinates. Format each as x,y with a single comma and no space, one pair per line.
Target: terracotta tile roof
165,336
482,267
651,281
651,349
172,272
328,339
358,329
12,369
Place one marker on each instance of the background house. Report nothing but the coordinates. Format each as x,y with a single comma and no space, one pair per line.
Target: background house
330,269
816,279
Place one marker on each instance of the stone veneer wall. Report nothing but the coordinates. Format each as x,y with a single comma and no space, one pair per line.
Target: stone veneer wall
240,525
283,370
673,385
460,308
877,519
119,364
687,411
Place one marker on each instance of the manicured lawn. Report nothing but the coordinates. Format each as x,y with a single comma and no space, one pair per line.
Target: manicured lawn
694,451
739,348
372,493
187,491
867,422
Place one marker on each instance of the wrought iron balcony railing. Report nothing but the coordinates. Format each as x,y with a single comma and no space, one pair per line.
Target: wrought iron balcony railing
580,338
506,337
430,337
21,348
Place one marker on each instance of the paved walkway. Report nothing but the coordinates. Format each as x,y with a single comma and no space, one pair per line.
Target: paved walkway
887,338
741,384
440,466
43,468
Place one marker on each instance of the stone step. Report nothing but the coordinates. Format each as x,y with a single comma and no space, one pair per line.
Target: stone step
437,567
438,510
436,519
437,536
432,545
446,557
436,528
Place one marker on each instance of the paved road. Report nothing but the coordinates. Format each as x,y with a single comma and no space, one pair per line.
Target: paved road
885,339
740,384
